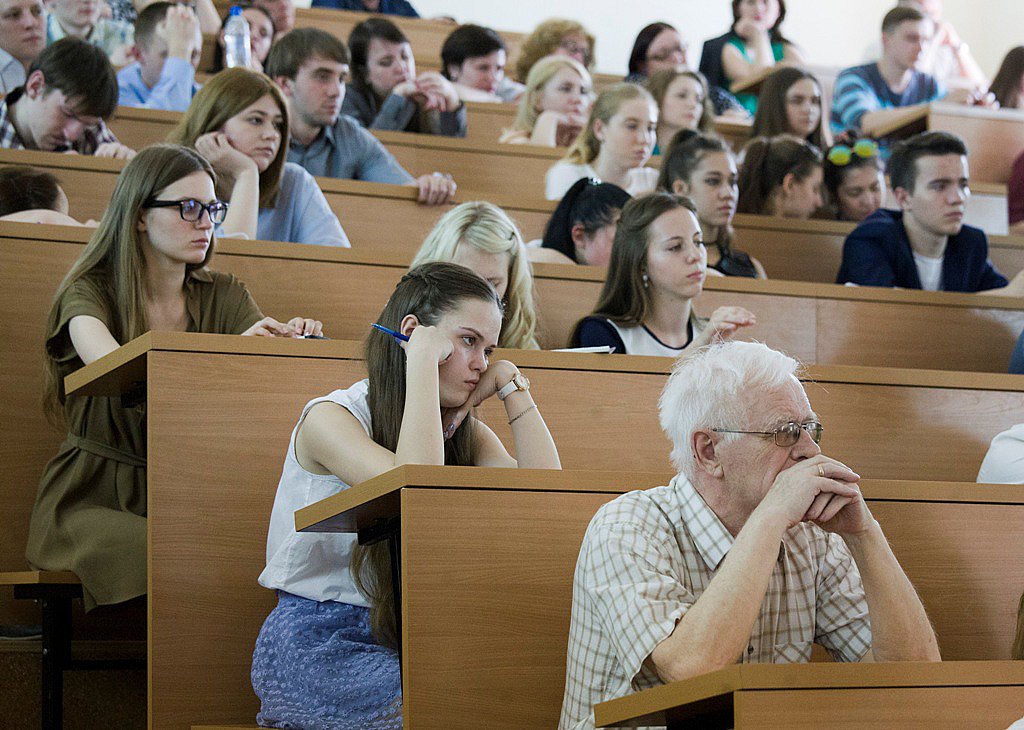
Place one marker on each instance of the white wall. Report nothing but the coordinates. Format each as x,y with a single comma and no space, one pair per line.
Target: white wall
831,32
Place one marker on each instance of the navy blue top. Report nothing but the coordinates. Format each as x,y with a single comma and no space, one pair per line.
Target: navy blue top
387,7
878,253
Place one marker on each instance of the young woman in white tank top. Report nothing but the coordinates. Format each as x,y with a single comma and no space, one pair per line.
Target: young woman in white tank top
325,657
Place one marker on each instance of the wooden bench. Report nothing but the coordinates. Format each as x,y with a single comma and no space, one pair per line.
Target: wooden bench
812,250
363,208
207,531
994,137
54,591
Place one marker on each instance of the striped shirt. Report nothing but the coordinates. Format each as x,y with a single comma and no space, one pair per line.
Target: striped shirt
649,555
862,89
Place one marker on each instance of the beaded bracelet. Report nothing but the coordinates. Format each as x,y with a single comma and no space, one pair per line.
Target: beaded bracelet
522,414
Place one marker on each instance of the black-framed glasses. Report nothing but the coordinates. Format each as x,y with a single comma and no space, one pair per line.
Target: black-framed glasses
191,209
787,434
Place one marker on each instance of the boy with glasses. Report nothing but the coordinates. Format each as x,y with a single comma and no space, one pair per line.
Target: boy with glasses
758,548
69,92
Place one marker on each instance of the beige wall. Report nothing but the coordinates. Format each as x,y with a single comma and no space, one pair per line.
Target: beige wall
832,32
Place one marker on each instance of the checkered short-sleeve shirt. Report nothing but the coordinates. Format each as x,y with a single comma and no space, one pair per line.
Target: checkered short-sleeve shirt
648,556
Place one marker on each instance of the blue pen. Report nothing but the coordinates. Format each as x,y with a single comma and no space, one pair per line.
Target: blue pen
397,335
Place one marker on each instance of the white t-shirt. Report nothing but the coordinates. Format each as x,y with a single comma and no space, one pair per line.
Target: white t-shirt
1004,462
929,271
314,565
563,174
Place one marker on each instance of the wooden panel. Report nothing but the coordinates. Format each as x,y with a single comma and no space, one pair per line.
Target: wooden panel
813,250
208,532
994,137
922,708
509,638
481,169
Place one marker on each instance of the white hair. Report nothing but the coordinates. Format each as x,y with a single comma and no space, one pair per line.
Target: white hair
709,390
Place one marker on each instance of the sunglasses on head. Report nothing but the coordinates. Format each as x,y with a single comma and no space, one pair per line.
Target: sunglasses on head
841,154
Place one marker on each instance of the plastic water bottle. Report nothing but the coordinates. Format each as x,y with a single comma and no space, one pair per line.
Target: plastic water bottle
237,51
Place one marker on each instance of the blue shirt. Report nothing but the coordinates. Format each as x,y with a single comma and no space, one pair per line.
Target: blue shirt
877,253
301,214
173,91
387,7
349,152
862,89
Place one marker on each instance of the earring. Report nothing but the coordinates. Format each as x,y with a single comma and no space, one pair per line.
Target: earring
646,280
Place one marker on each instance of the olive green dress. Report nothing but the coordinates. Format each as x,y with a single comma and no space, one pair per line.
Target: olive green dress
90,512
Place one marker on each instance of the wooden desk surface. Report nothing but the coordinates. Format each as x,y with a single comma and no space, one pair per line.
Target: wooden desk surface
651,706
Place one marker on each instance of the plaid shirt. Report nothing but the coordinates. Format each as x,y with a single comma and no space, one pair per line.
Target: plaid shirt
649,555
9,139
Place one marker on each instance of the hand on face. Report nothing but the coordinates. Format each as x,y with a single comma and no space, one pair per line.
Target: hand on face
429,343
497,375
226,160
820,490
180,30
749,29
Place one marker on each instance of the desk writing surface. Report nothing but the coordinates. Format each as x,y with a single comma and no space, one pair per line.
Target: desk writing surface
651,705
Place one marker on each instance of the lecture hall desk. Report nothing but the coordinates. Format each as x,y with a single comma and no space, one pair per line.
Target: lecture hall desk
816,323
221,409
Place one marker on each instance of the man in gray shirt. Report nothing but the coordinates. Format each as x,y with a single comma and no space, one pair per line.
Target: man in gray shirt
311,66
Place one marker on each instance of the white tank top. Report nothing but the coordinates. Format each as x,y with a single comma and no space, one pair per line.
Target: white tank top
314,565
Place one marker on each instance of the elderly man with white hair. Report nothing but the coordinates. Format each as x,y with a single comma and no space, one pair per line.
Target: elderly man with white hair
760,546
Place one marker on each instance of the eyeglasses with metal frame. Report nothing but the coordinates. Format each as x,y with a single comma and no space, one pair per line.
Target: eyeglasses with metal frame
788,434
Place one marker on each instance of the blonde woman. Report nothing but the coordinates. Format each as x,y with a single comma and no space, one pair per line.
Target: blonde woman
481,237
614,146
554,107
555,37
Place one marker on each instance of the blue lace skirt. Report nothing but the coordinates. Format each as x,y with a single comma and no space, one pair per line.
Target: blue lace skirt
316,666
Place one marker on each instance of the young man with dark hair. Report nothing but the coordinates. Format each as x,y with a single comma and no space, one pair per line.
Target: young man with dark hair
473,58
311,67
863,92
168,44
925,244
22,38
82,19
70,91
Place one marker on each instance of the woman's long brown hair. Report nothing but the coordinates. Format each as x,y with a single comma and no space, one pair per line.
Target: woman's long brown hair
428,291
113,260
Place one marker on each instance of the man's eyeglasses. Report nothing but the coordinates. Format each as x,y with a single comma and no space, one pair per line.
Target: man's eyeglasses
787,434
575,49
840,155
191,209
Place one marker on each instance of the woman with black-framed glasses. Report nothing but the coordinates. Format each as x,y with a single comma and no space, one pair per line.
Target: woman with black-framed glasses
143,269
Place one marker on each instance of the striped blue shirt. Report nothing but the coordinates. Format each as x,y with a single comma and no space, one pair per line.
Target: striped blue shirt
862,89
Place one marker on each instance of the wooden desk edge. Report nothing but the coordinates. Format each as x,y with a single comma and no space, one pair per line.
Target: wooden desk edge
336,513
652,703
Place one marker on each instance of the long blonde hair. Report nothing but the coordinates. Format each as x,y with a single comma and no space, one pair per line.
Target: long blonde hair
545,39
229,93
541,73
488,228
587,145
113,261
